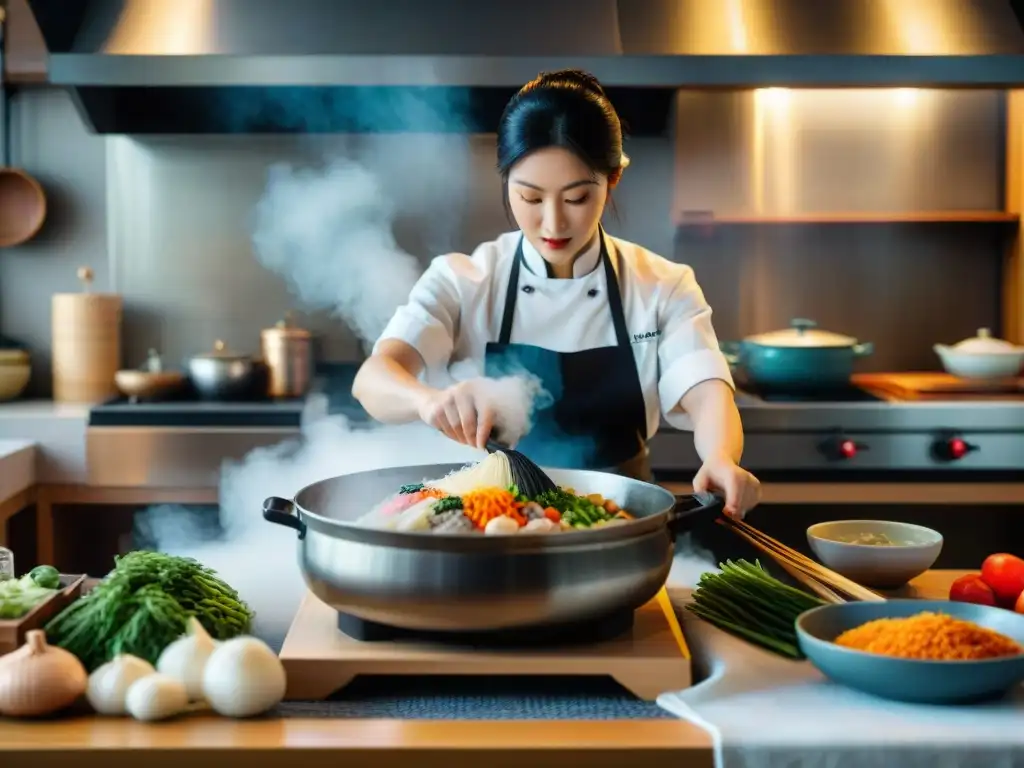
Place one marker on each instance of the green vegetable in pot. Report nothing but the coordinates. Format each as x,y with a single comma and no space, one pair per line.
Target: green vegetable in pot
143,605
578,511
45,576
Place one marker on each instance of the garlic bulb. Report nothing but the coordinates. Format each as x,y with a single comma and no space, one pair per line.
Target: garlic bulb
156,697
39,679
185,659
243,678
109,684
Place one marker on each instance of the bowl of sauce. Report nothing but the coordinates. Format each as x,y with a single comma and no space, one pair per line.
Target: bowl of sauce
879,554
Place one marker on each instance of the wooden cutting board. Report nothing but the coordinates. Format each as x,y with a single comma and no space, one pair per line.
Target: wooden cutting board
925,385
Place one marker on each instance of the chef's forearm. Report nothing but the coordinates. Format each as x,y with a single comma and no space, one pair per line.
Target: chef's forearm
717,429
388,391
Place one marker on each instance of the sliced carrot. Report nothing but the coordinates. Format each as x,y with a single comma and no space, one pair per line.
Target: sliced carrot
553,515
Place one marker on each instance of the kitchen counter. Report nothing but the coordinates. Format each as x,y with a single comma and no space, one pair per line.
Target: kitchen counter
17,477
57,429
200,741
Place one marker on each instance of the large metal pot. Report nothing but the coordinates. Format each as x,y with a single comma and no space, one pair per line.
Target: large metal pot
223,375
800,358
468,582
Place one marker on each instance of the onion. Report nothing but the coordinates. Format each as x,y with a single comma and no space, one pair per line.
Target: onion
39,679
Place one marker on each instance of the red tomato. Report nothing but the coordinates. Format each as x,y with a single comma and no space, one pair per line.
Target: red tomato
1019,607
971,589
1005,574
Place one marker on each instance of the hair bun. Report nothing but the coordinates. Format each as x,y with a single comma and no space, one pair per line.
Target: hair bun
578,77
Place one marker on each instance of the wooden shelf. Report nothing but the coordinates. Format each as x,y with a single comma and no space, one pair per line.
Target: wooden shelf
704,219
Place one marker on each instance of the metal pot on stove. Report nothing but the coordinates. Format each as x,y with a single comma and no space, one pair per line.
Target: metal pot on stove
801,358
288,353
467,582
221,374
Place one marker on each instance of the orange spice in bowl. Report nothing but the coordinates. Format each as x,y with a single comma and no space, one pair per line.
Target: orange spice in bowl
930,636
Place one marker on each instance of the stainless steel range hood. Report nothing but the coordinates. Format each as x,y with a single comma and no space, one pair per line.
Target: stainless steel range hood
145,65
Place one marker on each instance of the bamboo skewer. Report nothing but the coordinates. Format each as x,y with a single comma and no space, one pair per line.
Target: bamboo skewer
788,557
808,581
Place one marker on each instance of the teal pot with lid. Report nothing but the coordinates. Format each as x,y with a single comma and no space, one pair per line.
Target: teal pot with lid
801,358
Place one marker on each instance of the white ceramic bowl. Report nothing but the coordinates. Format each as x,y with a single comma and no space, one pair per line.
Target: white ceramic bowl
974,365
874,565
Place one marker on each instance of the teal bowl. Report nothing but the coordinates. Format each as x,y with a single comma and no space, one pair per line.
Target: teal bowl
911,680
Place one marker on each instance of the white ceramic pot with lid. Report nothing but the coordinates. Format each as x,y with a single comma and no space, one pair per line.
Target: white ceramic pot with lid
981,357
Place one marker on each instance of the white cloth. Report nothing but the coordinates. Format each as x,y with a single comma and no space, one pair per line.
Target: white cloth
765,711
456,309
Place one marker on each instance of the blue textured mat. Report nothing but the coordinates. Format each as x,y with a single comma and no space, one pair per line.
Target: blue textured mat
475,698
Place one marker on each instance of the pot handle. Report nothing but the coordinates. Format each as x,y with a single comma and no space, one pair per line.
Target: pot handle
282,512
863,349
693,510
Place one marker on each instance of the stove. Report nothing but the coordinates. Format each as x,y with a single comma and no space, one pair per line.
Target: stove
552,635
644,651
856,433
183,442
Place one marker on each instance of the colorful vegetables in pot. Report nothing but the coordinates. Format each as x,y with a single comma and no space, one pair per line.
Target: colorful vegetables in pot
39,679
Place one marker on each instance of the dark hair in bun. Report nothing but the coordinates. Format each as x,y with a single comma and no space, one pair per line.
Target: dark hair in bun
568,109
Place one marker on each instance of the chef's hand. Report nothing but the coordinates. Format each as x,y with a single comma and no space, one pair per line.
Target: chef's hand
741,489
462,412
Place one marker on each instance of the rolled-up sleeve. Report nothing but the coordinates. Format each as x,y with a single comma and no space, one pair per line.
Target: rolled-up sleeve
428,321
688,350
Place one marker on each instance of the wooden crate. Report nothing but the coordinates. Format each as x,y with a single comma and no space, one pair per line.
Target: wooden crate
12,631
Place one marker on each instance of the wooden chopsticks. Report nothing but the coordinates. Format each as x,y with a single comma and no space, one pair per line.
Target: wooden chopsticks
824,582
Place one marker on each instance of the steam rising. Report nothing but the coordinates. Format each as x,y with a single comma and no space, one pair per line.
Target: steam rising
329,232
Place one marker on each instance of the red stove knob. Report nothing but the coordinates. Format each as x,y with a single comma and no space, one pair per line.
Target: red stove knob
953,448
839,448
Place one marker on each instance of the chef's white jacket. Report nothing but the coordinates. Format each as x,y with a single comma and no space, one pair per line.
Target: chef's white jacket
456,308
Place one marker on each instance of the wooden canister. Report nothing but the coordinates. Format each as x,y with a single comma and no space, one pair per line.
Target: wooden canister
86,344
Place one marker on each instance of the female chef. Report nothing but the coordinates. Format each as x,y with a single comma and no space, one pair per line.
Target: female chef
616,334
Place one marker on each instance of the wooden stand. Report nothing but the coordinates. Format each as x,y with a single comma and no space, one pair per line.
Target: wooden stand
320,659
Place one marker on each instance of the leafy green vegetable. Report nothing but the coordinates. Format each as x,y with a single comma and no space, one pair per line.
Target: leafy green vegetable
45,576
143,605
411,488
19,596
447,504
747,601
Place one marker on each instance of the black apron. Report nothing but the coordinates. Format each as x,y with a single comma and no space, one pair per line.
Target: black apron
592,414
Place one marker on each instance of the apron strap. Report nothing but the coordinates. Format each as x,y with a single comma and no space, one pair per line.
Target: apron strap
510,296
614,295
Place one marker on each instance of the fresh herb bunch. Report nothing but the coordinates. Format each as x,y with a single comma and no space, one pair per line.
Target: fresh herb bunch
745,600
143,605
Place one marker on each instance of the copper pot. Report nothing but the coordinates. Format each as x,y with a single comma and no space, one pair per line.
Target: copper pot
288,354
